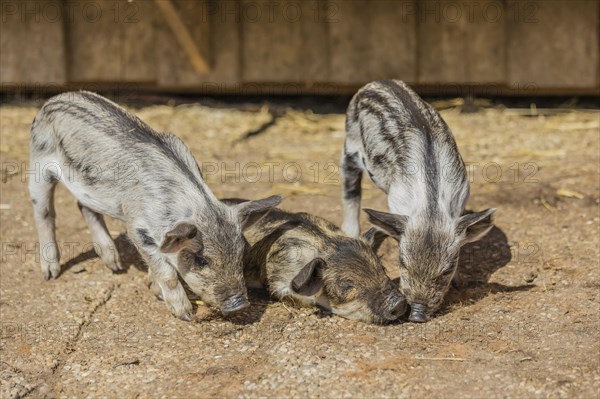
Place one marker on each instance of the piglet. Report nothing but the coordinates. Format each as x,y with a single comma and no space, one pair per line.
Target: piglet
409,152
311,261
114,164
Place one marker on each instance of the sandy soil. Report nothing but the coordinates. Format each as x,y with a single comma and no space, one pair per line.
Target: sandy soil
525,323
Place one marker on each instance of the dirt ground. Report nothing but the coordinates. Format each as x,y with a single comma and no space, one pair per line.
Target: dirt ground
525,322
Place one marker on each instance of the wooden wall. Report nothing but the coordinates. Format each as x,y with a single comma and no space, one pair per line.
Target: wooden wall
310,46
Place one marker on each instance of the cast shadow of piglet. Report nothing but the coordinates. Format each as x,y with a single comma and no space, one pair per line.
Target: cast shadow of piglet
130,257
477,263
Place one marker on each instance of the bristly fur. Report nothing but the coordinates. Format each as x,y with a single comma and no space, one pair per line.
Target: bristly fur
350,280
116,165
409,152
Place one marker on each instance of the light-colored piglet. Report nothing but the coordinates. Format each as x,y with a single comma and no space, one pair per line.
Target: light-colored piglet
409,152
116,165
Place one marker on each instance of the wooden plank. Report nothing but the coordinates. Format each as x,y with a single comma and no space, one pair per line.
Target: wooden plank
183,36
138,49
315,52
372,40
111,41
553,43
214,28
349,43
94,46
32,44
392,41
283,41
461,42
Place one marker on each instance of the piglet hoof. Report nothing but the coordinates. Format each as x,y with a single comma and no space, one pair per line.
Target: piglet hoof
181,310
50,270
117,267
117,270
186,317
155,289
111,259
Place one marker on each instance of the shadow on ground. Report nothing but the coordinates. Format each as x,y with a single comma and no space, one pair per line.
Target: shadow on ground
130,257
477,263
128,254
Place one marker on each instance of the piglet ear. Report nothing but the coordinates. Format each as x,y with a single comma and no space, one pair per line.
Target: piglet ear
251,211
390,223
374,237
232,201
475,225
178,237
309,280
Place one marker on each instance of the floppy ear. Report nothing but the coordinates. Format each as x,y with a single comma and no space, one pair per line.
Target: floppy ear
374,237
391,224
249,212
309,280
175,239
475,225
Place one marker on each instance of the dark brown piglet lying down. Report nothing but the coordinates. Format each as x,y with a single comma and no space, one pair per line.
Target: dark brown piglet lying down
309,260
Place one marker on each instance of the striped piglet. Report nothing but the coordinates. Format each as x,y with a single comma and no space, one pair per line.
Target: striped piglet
409,152
114,164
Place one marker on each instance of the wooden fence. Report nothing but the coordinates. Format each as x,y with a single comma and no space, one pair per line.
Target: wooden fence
307,46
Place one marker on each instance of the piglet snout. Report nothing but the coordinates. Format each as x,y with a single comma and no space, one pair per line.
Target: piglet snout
418,313
234,304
